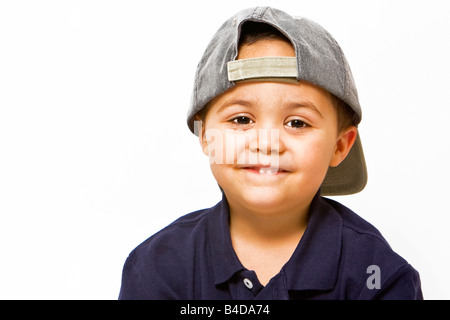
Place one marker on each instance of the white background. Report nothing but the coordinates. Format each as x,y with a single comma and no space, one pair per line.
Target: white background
95,155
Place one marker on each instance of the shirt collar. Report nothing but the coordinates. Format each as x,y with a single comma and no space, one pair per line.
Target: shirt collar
314,263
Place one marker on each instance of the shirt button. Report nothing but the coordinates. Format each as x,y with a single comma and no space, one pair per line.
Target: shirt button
248,283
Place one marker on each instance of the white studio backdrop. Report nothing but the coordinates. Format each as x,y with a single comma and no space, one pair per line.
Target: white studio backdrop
95,154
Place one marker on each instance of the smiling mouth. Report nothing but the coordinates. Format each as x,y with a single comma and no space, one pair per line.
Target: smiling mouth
265,170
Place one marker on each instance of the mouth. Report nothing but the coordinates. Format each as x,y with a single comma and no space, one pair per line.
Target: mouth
264,170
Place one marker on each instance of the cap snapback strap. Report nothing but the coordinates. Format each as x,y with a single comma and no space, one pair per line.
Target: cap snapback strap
275,68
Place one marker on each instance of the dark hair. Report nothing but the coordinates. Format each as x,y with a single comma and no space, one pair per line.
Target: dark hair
252,32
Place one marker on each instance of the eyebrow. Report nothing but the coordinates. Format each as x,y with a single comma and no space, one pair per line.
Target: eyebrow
234,101
304,104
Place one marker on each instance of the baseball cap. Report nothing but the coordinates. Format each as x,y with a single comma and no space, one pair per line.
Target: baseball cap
319,60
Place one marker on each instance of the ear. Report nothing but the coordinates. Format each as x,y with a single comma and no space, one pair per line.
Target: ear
343,145
199,129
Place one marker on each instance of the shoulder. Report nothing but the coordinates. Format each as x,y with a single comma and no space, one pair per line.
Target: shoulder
172,237
367,258
357,231
159,268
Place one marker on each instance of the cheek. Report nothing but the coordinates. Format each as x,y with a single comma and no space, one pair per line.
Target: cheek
215,146
224,175
235,147
314,155
230,146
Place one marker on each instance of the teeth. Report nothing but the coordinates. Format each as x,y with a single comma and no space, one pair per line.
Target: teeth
268,171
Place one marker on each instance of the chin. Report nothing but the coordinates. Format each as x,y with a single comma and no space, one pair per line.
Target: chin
263,199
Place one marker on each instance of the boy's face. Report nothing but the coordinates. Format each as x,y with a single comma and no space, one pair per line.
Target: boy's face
270,143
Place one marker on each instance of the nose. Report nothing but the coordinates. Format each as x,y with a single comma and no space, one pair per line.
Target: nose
266,140
265,147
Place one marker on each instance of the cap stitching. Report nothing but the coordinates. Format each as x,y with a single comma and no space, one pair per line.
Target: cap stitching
259,12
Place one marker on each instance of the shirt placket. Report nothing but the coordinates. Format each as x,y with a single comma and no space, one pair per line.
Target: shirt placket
245,285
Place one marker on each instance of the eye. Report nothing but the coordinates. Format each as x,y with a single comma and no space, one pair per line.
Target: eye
296,123
242,120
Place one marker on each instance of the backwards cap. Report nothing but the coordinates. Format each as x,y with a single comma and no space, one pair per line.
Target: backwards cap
319,60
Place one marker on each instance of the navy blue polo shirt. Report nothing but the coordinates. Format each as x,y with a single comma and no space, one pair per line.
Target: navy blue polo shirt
340,256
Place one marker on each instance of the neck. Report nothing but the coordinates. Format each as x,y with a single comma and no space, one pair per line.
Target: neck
265,239
269,227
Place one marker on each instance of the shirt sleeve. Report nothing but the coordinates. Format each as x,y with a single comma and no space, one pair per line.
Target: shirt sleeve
143,281
403,285
132,287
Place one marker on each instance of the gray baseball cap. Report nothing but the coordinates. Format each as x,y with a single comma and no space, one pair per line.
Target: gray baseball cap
319,60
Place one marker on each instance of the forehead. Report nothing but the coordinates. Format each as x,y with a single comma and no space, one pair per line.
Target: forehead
266,48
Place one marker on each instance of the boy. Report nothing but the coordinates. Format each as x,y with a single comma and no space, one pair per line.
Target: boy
276,110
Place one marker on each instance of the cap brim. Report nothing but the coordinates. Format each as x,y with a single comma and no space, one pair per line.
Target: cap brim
350,176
